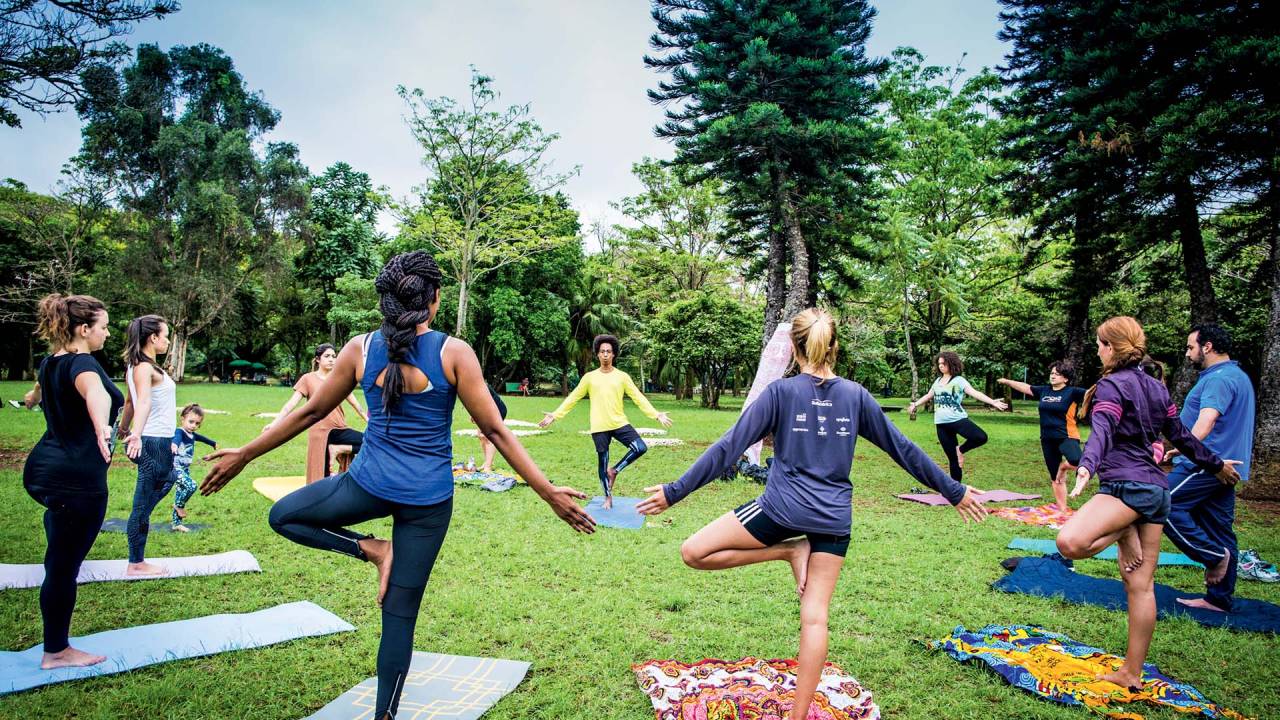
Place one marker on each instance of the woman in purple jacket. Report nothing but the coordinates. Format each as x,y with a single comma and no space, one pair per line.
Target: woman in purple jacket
805,514
1129,411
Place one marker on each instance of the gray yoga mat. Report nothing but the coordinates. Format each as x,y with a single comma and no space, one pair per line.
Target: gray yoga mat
438,686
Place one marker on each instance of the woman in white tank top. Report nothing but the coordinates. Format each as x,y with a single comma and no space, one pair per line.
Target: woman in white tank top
151,416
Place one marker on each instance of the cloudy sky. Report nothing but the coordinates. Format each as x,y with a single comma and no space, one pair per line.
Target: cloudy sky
331,69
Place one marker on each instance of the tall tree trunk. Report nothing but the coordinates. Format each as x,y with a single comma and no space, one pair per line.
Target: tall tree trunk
798,281
1264,472
1195,270
176,360
775,282
460,327
911,351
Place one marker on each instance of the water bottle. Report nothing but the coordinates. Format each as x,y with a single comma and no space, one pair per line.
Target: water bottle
471,463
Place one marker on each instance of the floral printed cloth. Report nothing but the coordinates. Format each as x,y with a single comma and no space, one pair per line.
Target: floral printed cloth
1047,515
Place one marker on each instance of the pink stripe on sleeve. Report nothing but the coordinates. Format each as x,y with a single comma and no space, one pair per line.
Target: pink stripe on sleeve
1107,408
1173,410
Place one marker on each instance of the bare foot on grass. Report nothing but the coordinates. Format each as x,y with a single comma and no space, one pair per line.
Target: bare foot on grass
181,528
800,564
378,552
1127,680
1213,575
145,569
1199,604
70,657
1130,549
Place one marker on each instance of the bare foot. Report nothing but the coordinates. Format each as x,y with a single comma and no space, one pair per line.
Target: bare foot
800,564
1130,549
145,569
182,512
379,553
1123,678
486,469
1213,575
612,475
608,502
70,657
960,458
180,528
1200,604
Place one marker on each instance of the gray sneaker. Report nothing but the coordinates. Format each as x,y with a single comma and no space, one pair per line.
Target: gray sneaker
1252,567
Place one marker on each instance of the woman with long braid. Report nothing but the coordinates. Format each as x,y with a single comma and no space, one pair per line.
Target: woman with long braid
66,471
605,387
150,413
411,376
1130,410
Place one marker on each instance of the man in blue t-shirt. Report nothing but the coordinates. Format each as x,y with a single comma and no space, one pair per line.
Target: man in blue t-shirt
1219,410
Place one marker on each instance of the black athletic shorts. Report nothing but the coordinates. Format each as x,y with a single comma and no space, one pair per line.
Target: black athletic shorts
1151,502
764,529
625,435
1070,449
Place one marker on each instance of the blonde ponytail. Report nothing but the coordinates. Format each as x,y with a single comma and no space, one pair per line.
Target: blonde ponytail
813,333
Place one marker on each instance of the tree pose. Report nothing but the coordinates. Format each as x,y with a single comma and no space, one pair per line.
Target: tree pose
949,416
1059,435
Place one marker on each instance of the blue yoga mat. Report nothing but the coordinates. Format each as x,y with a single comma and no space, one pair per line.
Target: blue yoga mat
135,647
1049,578
1049,547
437,686
622,515
121,525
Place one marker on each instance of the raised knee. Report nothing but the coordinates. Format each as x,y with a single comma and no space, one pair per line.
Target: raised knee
691,555
276,518
639,447
1072,547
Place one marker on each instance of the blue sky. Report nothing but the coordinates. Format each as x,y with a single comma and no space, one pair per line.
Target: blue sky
331,69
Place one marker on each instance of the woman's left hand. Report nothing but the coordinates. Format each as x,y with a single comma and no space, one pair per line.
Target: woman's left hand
655,503
662,418
1082,478
561,499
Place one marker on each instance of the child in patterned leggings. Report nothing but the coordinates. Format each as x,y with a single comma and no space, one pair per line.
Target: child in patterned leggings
184,450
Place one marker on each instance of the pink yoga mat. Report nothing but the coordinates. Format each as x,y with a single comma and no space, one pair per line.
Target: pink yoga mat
991,496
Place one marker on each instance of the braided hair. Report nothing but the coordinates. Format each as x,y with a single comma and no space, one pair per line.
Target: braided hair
407,286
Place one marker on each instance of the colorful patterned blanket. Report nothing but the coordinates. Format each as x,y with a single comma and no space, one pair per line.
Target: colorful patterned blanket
747,689
1057,668
1047,515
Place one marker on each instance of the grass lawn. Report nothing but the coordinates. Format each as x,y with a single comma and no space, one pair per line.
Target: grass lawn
515,582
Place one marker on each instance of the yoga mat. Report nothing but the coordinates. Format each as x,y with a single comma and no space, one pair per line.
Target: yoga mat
493,482
747,688
437,686
774,359
622,515
1049,547
119,525
227,563
135,647
1056,668
1044,515
1049,578
989,496
275,488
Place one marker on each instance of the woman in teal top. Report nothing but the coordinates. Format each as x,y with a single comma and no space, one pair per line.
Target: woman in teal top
949,416
411,376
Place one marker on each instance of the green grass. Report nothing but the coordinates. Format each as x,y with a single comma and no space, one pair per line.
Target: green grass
515,582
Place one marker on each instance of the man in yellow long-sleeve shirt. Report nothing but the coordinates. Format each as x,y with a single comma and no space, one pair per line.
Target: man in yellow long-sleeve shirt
605,387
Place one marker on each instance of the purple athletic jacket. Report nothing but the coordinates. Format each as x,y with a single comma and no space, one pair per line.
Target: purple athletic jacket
814,427
1130,411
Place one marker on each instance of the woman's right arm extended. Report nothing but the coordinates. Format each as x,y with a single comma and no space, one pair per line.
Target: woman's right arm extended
332,392
98,403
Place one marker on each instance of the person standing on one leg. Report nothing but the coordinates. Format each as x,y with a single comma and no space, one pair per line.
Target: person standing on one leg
949,415
1129,411
605,387
184,450
151,416
412,376
805,515
487,448
1220,412
1059,435
66,471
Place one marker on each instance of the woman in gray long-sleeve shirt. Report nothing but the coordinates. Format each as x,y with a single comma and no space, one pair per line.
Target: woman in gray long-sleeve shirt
1129,411
804,516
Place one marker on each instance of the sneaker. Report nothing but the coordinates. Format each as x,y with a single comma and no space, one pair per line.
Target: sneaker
1252,567
17,405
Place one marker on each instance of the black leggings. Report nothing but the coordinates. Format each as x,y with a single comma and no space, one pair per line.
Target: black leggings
974,437
155,478
71,523
316,516
342,436
626,435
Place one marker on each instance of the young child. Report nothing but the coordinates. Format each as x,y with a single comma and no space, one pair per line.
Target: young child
184,450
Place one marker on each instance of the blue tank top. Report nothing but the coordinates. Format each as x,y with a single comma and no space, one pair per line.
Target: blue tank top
407,456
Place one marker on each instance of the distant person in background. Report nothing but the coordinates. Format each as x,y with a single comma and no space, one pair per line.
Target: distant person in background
331,431
949,416
1059,435
524,387
66,471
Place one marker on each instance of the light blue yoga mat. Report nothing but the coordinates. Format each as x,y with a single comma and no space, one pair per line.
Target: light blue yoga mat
438,686
1048,547
135,647
622,515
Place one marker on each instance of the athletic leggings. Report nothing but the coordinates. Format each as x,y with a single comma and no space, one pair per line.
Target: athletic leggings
184,488
317,515
155,478
973,436
626,435
71,523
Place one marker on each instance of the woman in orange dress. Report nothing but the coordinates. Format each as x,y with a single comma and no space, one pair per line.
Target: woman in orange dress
331,434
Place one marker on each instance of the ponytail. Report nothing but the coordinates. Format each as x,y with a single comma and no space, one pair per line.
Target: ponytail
320,350
813,334
407,286
140,331
58,316
1128,344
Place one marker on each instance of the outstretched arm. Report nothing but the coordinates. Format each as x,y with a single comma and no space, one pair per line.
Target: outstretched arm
920,401
289,405
1017,386
578,393
643,403
331,393
980,396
